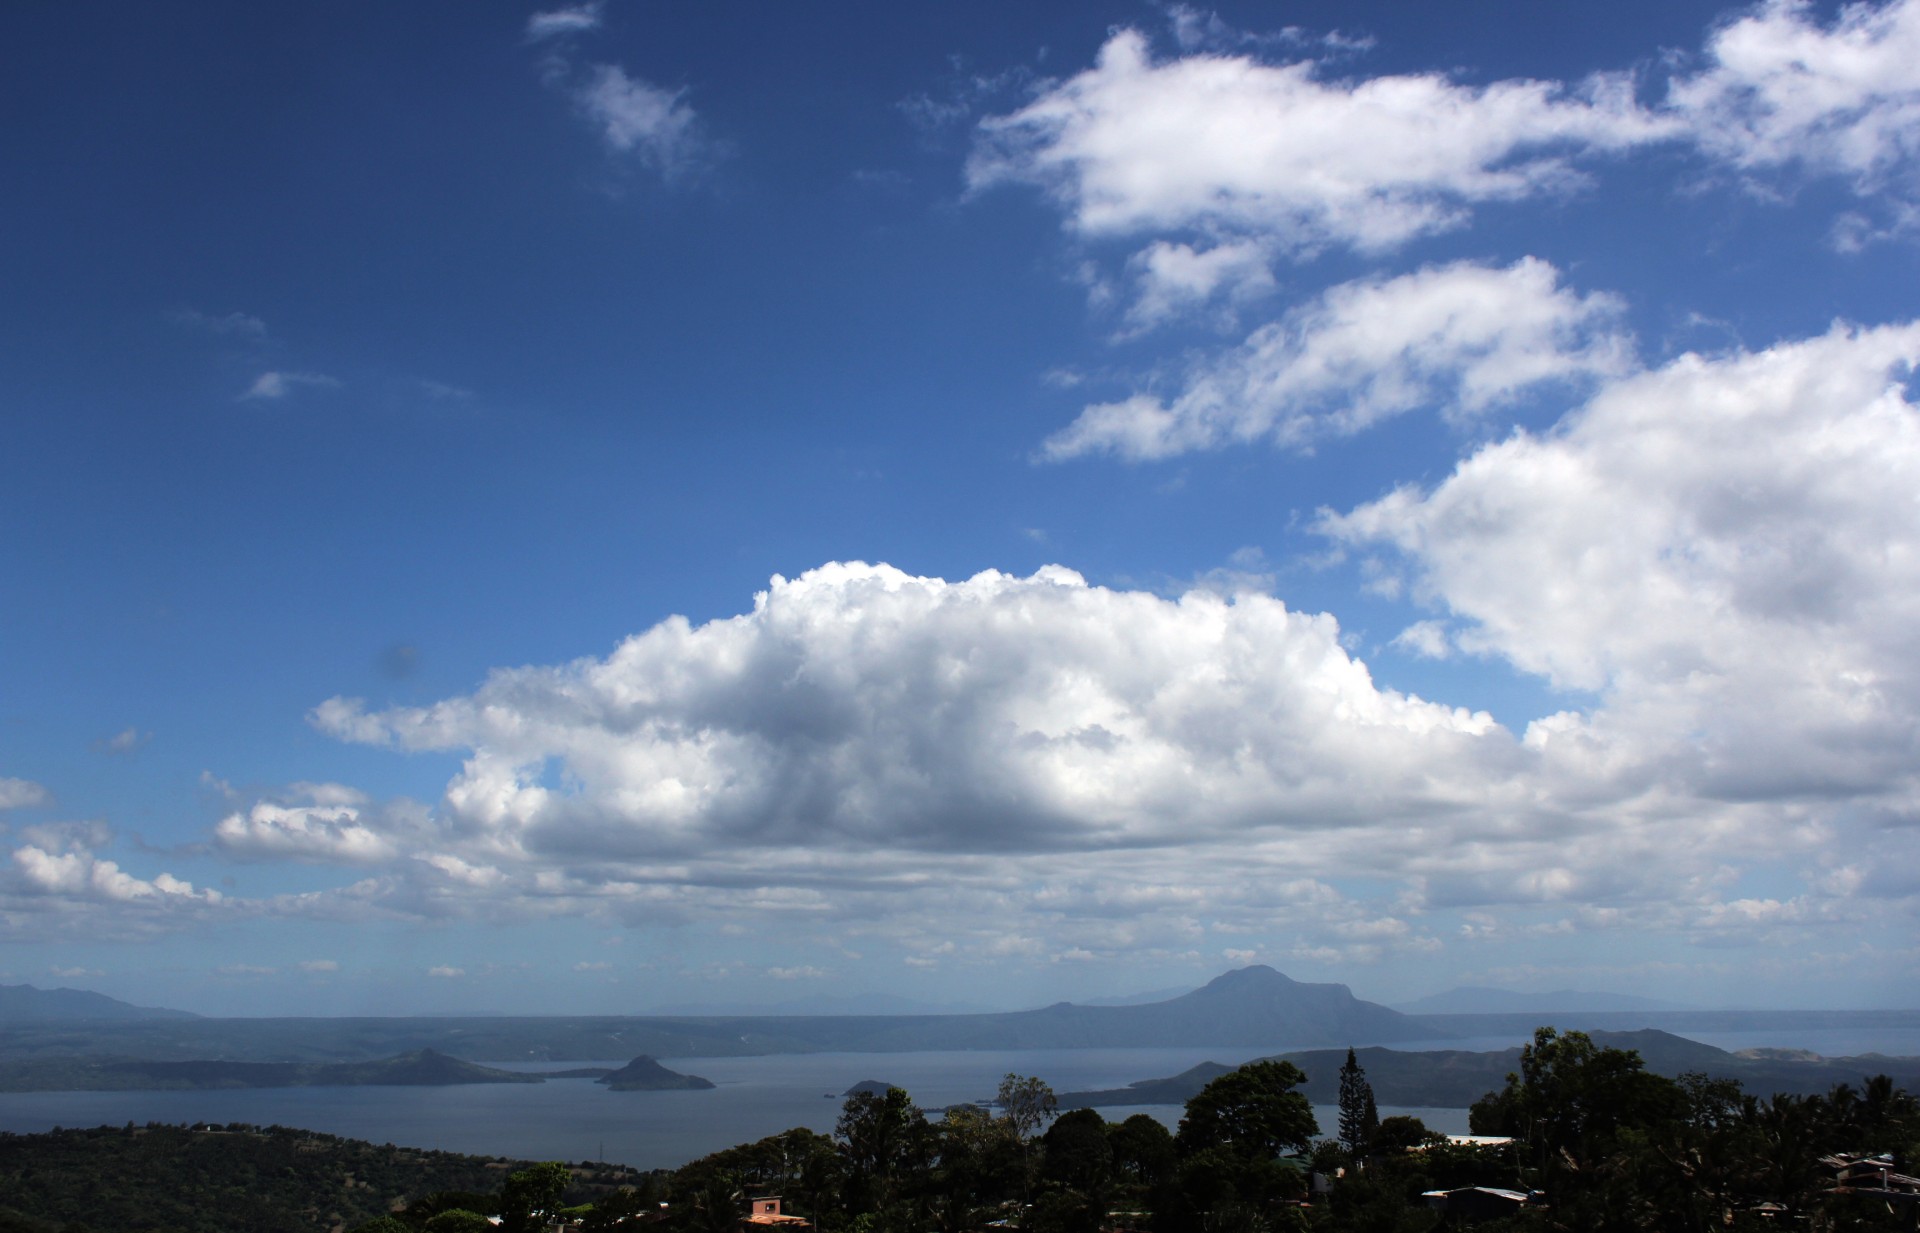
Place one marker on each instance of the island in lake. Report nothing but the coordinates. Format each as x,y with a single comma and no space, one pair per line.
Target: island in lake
643,1074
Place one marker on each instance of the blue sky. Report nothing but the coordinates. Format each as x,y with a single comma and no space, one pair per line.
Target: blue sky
615,505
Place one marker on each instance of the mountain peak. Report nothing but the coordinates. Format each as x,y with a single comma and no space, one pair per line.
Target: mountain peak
1253,976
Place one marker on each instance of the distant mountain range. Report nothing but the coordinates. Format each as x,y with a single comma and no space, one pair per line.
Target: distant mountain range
1253,1006
421,1068
1479,1000
52,1033
26,1004
822,1004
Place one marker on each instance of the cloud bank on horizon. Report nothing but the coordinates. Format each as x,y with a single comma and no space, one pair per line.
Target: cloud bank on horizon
1698,565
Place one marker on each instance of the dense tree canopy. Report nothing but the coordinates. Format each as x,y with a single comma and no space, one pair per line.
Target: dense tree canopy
1252,1111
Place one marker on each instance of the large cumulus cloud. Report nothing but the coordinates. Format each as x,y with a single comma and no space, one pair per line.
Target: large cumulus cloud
861,708
1726,550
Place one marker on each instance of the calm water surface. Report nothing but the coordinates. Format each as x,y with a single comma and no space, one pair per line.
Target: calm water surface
577,1119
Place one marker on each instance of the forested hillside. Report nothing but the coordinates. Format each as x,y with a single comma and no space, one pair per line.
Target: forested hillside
219,1180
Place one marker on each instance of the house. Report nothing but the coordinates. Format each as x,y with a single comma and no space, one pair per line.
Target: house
765,1213
1471,1204
1877,1177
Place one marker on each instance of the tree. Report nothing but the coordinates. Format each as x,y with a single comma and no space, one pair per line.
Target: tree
1400,1132
1029,1104
1358,1114
979,1169
884,1139
1079,1153
1143,1149
715,1205
1571,1094
1588,1119
618,1210
531,1194
1253,1112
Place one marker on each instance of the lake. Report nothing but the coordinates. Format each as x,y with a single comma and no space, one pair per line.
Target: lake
577,1119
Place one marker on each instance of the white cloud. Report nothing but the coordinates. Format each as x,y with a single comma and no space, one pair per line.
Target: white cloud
1173,279
446,972
1726,549
127,740
329,827
22,793
1783,90
596,966
75,973
637,117
1717,552
568,19
863,752
1427,639
81,876
245,970
1461,337
272,386
803,972
1231,145
858,708
320,965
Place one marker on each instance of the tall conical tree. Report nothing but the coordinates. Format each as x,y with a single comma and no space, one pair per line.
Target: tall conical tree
1358,1116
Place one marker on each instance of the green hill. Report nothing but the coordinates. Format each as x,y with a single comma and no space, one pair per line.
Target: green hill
193,1179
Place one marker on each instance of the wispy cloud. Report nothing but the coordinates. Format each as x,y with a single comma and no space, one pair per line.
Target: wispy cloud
636,117
237,324
125,741
274,385
22,793
569,19
1459,338
440,391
